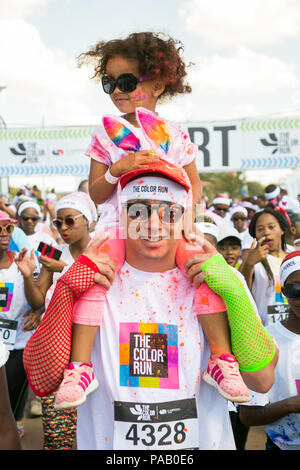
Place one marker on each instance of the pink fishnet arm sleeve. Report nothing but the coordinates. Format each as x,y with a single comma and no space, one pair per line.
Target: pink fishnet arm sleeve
47,352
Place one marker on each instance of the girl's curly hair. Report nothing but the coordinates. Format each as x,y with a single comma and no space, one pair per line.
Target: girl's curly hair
156,57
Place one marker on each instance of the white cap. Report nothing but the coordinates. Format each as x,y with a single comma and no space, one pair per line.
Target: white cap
207,228
241,209
273,194
222,200
249,205
226,231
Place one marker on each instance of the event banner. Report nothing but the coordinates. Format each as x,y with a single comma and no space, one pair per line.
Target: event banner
245,144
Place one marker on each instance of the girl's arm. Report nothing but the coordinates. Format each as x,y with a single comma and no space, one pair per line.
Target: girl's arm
194,177
192,213
100,190
261,415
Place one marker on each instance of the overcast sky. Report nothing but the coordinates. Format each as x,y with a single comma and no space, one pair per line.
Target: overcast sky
246,56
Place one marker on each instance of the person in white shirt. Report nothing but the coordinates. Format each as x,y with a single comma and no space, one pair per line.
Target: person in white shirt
261,266
239,217
279,409
150,351
219,210
16,322
29,216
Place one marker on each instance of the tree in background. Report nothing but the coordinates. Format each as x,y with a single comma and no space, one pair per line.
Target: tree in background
232,183
255,188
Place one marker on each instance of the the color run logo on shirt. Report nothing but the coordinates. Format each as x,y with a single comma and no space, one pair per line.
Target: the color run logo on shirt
6,294
149,355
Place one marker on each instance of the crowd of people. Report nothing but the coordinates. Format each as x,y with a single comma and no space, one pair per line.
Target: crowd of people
253,235
137,282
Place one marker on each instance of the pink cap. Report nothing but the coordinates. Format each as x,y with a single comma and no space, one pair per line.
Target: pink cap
4,217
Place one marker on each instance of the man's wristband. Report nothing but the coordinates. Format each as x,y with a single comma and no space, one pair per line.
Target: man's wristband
110,178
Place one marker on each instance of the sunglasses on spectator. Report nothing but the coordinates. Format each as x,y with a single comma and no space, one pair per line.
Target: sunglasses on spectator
69,221
168,214
235,219
292,291
126,82
221,209
8,228
34,218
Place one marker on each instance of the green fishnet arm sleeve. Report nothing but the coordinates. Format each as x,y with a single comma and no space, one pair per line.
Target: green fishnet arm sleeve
251,343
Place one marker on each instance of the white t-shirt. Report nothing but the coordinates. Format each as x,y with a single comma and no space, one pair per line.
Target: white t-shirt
271,303
149,356
13,305
285,432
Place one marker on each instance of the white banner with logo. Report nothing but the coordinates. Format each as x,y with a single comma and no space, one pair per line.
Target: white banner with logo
236,145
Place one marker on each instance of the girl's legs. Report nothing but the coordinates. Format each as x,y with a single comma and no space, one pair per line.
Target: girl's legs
83,338
216,331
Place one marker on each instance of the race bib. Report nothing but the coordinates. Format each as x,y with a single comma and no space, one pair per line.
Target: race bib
278,312
8,332
171,425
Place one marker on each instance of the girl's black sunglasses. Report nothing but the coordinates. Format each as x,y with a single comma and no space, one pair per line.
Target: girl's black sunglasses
126,82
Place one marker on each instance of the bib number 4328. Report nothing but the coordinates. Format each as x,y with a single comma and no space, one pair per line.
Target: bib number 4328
163,434
169,425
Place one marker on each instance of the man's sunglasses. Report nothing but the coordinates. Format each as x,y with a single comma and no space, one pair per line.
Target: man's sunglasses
8,228
69,221
168,214
292,291
126,82
221,209
235,219
34,218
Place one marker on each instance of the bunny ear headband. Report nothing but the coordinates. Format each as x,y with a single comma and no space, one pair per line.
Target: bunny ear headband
153,127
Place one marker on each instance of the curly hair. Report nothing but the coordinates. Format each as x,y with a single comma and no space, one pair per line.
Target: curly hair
157,57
